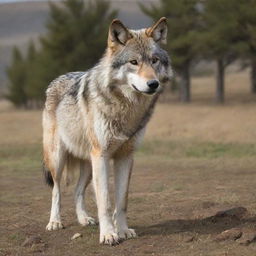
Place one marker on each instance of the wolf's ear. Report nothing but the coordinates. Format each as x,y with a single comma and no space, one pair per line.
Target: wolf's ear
118,34
158,31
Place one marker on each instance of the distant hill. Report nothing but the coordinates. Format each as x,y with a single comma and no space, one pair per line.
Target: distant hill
22,21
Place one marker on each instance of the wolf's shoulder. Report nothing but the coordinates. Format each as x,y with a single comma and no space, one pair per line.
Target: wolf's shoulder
65,84
66,78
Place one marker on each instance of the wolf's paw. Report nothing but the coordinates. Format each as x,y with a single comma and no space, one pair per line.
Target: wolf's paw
87,221
110,238
54,225
127,233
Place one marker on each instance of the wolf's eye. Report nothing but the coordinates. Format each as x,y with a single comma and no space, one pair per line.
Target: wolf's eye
155,60
134,62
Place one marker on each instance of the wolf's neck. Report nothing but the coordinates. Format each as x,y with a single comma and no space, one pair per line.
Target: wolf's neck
126,116
128,112
144,117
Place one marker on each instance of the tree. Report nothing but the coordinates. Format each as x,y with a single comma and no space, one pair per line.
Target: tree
220,38
247,47
75,39
41,70
183,27
77,33
31,87
17,80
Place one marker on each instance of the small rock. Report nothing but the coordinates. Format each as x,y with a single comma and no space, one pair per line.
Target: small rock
230,234
208,204
190,239
248,237
32,240
76,235
237,212
37,248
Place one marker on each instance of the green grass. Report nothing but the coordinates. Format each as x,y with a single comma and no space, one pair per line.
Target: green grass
22,158
19,150
157,187
30,155
192,149
214,150
18,237
25,158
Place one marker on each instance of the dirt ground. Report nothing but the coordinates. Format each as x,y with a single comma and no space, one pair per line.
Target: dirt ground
197,160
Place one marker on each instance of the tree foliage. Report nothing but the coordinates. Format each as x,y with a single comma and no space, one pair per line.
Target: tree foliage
75,40
77,34
220,38
247,46
182,18
221,29
217,30
17,80
183,23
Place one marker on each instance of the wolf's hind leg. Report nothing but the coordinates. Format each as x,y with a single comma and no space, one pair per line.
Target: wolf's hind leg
83,181
57,162
123,168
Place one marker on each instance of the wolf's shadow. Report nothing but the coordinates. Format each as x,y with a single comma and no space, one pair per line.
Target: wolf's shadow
209,225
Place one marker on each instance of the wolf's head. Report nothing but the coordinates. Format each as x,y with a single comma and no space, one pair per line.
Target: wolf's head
138,62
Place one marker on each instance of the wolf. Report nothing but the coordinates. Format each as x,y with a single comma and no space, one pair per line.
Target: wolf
91,118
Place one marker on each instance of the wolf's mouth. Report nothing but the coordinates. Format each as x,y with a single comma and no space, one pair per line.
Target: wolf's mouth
150,92
135,88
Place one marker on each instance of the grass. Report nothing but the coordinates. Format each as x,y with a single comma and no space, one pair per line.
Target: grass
26,158
157,187
21,158
192,149
17,237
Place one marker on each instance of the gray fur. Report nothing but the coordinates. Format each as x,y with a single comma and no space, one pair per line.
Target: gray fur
98,115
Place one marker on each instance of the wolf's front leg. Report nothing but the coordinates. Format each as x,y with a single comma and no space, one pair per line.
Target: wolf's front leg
123,168
100,166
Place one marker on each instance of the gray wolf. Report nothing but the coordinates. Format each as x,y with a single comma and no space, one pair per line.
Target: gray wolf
100,115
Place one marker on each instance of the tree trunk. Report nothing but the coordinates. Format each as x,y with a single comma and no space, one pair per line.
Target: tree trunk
185,83
253,76
220,90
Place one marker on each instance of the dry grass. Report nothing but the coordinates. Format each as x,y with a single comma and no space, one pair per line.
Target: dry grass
203,120
228,123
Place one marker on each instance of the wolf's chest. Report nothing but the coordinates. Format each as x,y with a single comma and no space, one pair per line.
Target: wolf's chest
112,133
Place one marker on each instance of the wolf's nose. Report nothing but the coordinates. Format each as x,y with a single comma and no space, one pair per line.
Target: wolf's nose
153,84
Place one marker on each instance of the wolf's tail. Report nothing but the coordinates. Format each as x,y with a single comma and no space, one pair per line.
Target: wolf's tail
47,176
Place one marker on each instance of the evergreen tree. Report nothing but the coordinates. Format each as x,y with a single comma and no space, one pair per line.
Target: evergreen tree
247,46
77,34
41,70
183,24
17,80
221,37
76,38
31,86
